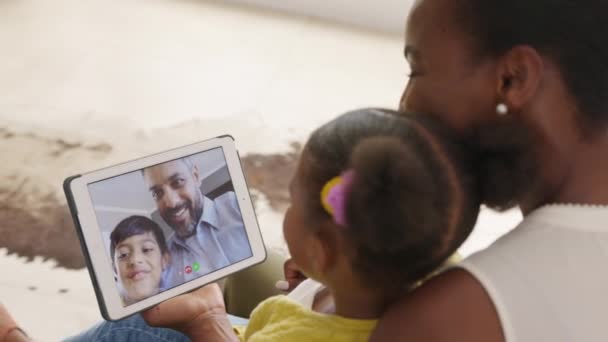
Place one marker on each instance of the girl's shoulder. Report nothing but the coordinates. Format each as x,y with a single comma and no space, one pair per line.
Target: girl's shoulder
280,318
305,292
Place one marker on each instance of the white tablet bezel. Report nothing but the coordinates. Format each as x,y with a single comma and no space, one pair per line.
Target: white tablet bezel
92,237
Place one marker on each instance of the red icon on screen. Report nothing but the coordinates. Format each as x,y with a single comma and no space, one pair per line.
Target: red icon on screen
188,269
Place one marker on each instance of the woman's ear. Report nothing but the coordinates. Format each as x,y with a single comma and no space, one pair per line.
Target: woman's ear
520,74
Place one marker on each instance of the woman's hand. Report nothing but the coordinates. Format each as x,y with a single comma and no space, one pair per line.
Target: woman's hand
293,276
200,314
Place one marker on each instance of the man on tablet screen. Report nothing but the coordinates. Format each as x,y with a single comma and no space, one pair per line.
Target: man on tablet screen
207,234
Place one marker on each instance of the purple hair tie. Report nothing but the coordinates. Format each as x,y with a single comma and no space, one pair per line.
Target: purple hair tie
334,195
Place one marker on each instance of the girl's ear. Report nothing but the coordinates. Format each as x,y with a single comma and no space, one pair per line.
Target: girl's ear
323,252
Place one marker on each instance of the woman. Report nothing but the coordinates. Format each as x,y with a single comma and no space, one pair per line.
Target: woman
527,82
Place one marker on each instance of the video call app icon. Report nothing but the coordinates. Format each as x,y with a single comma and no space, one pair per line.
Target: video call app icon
194,268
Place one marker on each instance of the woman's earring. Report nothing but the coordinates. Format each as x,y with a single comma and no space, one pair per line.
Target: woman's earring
502,109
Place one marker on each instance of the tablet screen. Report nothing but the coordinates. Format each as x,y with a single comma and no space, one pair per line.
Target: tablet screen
169,223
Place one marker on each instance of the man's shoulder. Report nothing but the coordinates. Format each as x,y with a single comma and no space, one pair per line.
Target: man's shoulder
226,199
228,210
171,238
226,196
175,245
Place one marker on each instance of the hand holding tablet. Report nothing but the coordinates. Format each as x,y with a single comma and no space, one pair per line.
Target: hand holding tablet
162,225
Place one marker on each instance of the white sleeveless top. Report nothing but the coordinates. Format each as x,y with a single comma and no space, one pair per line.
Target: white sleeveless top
548,278
305,292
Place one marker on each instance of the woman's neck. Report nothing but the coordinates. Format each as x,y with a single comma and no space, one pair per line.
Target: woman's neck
583,183
588,176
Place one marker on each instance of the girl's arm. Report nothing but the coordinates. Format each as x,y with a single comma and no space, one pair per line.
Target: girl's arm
293,275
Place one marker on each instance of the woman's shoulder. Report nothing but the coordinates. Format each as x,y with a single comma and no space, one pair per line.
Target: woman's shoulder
537,270
451,306
547,236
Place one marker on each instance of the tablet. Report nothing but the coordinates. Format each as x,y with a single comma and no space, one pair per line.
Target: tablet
156,227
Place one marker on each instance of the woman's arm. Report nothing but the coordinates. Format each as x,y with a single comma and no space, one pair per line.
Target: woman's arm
200,315
451,307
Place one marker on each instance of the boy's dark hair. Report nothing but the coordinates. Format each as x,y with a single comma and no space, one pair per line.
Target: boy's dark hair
413,200
136,225
572,33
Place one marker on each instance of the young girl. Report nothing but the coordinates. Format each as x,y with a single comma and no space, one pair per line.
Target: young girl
378,203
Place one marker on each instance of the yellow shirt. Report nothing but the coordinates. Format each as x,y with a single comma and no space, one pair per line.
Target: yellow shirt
281,319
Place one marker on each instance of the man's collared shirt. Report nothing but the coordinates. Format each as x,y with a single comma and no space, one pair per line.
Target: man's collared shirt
220,240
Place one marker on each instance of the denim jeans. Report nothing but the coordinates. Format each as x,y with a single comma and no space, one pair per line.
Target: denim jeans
135,329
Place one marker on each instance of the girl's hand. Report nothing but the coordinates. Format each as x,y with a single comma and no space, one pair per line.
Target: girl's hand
200,314
293,276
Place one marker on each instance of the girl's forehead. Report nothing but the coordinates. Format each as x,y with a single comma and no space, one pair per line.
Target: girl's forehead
301,181
303,166
298,177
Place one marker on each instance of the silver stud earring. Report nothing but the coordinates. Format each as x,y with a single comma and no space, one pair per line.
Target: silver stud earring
502,109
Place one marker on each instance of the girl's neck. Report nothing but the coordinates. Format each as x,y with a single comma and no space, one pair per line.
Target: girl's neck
358,304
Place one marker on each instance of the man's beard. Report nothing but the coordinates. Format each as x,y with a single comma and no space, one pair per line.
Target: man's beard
195,210
507,165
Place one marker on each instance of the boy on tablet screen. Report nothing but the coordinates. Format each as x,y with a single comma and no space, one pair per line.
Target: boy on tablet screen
207,234
139,256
